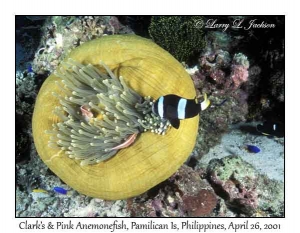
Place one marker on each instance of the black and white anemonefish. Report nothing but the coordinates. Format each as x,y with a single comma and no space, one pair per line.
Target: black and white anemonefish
175,108
271,128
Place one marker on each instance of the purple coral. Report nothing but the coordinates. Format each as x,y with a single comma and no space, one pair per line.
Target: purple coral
239,70
218,76
213,68
224,78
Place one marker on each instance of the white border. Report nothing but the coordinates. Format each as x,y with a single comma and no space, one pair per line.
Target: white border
110,7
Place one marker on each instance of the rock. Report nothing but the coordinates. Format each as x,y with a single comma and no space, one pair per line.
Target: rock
244,189
198,198
184,194
41,206
36,195
201,204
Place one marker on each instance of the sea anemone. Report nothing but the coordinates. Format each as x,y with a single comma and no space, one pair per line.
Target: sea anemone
140,68
102,111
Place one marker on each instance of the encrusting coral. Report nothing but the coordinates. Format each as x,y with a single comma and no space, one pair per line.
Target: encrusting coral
61,34
244,189
147,70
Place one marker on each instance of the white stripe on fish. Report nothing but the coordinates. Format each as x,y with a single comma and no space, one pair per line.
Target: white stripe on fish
161,107
181,108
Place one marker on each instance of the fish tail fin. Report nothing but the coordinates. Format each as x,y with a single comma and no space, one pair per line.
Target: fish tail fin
205,103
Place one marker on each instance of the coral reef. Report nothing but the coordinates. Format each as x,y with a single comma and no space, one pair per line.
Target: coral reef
244,189
270,161
184,194
26,181
26,91
224,78
178,35
35,175
265,86
71,205
218,185
213,66
218,40
61,34
148,161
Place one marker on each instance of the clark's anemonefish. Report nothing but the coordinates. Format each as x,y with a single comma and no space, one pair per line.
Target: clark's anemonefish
175,108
